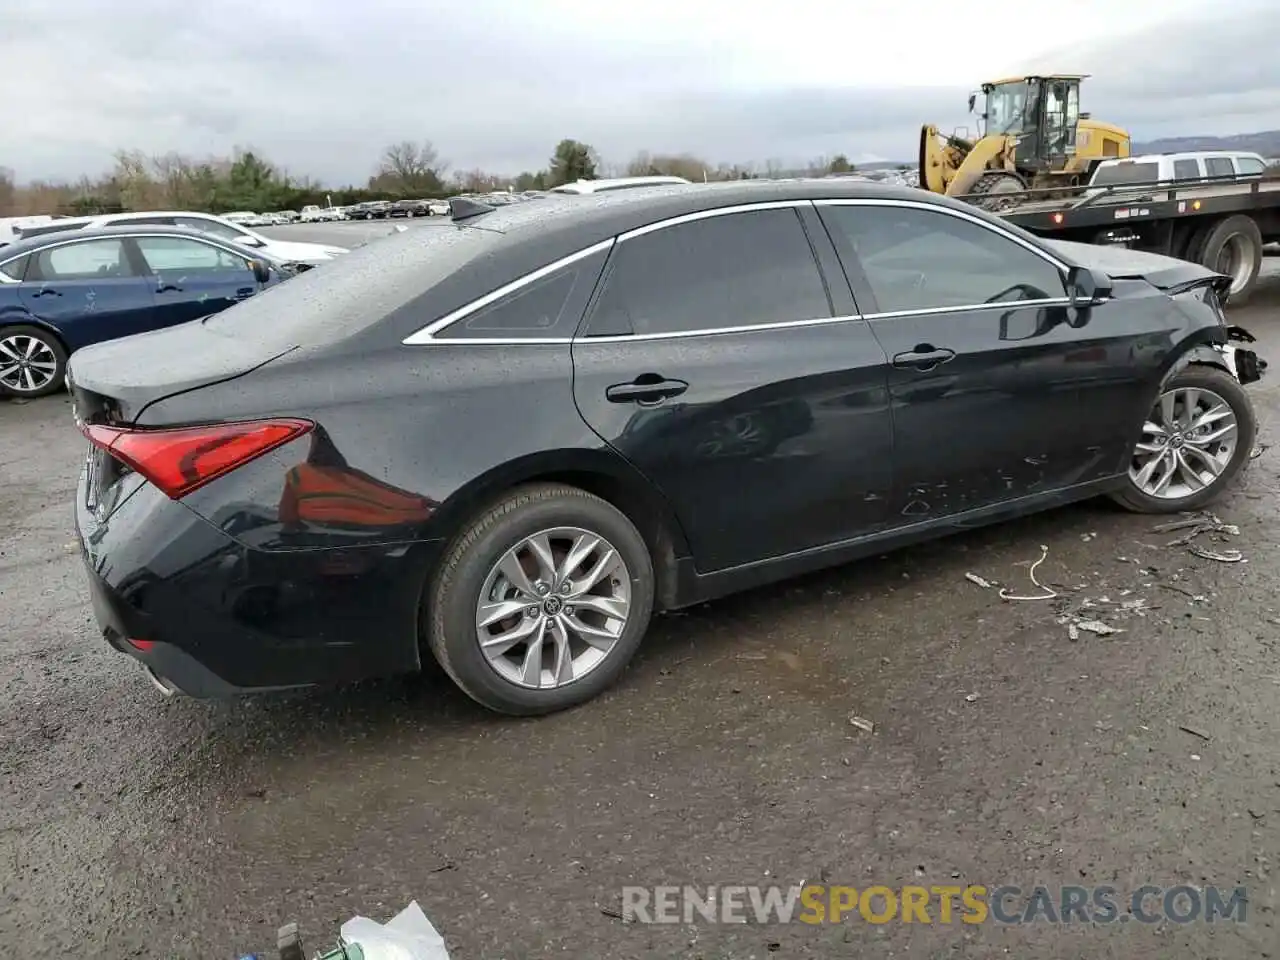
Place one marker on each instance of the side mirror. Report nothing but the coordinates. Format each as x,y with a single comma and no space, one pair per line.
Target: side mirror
261,271
1086,288
973,98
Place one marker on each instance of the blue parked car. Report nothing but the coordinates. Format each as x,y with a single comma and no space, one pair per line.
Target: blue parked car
64,291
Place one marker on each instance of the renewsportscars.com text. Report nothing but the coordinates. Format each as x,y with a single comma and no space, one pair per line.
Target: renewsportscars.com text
937,904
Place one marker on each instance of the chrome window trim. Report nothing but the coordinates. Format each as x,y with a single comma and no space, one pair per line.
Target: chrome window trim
710,214
427,334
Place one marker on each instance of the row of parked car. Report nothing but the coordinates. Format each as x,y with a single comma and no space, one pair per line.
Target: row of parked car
68,282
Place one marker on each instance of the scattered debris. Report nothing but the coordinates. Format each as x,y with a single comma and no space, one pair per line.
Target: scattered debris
1196,524
862,723
1194,597
614,914
971,698
1195,733
1048,593
1258,450
1073,632
1195,756
1222,556
1086,537
1256,815
1096,627
974,578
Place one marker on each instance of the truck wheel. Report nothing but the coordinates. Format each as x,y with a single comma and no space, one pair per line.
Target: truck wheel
1193,444
1234,247
986,193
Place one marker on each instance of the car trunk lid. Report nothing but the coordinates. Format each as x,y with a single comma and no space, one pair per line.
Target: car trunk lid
115,381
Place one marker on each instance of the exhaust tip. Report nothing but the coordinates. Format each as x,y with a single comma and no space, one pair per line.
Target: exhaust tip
164,686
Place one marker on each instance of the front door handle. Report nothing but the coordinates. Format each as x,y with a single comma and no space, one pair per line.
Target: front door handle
165,288
646,389
244,293
924,357
47,293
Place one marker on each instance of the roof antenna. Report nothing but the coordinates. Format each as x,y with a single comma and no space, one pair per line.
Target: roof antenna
460,208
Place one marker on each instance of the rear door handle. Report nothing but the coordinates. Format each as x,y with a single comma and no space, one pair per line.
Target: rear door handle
244,293
645,389
47,293
165,288
924,357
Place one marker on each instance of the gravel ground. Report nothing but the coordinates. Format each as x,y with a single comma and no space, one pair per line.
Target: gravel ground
1004,752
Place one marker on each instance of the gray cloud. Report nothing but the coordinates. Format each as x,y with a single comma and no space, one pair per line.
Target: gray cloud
320,89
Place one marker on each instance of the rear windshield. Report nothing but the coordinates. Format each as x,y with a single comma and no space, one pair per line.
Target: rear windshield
336,300
1126,173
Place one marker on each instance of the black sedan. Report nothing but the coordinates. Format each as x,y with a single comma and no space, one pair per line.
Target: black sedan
506,443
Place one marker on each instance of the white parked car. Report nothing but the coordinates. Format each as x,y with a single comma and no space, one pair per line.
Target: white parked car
314,213
292,251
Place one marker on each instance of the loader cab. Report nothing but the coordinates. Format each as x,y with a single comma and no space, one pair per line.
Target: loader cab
1041,113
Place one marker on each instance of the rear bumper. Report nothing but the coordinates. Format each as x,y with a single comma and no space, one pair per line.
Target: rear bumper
216,618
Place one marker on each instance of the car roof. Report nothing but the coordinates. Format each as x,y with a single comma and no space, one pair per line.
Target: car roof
598,216
21,247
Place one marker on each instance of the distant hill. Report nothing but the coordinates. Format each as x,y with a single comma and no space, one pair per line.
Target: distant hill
1266,142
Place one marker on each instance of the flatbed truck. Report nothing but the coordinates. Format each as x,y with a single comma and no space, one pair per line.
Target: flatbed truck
1220,222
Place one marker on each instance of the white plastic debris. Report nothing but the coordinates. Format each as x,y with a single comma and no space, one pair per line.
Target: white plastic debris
980,581
1046,594
408,935
1096,627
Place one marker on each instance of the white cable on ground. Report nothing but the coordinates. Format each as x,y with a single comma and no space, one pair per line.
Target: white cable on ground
1048,594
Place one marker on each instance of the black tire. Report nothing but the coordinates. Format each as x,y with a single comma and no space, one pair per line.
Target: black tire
1229,389
50,343
1243,231
987,193
449,617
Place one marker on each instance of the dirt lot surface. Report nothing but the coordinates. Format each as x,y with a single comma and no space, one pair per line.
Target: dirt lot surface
1004,752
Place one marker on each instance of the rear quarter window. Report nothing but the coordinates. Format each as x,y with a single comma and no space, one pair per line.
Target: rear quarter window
1123,173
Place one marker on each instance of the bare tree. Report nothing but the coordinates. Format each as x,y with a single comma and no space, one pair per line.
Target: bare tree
8,192
409,167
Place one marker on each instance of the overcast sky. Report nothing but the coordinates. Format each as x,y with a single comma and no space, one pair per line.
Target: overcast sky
322,86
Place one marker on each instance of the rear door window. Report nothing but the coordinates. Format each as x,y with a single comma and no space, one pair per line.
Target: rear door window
1186,170
731,270
101,259
1220,167
1251,166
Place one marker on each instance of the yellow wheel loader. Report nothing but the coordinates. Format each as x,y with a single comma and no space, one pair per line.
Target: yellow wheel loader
1033,136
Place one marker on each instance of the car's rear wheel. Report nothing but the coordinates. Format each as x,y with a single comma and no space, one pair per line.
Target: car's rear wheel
542,601
33,362
1195,441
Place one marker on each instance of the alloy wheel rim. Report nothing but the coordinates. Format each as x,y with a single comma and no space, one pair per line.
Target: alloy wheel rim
553,607
1187,444
27,363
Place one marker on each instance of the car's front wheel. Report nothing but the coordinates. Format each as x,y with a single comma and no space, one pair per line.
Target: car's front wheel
1195,441
33,362
540,604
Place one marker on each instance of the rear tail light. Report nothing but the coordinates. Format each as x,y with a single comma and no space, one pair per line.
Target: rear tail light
182,459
